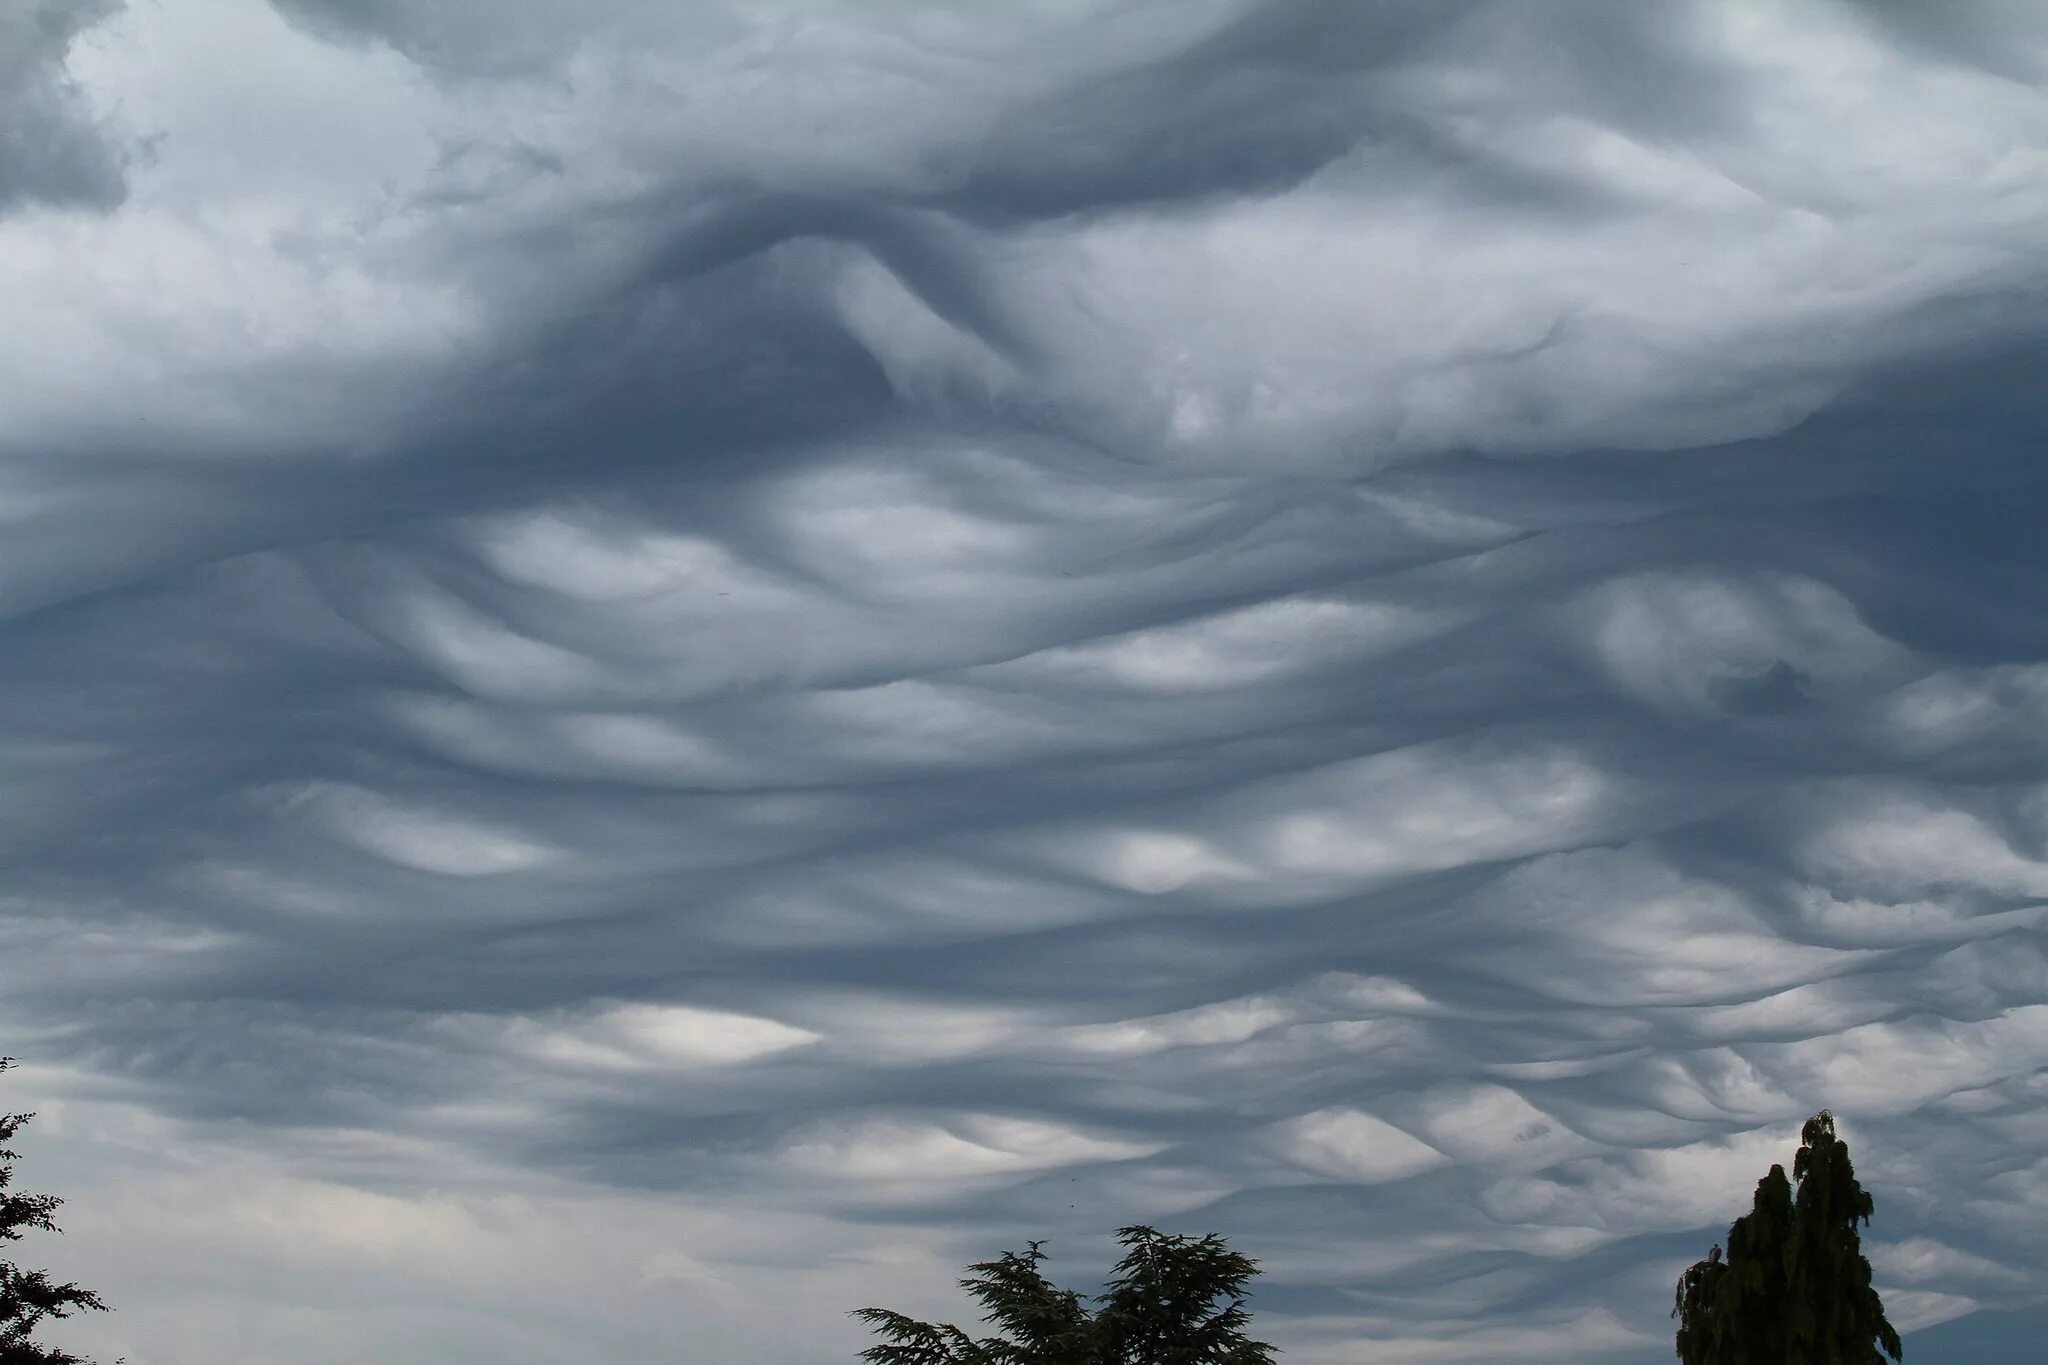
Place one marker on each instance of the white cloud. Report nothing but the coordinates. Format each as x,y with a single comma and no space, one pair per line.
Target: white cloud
642,1037
1353,1147
424,840
1895,839
922,1155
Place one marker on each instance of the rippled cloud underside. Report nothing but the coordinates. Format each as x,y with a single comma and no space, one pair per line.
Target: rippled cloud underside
665,668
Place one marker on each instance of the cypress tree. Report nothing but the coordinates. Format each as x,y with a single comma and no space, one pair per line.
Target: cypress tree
1734,1310
1795,1289
1836,1317
1698,1309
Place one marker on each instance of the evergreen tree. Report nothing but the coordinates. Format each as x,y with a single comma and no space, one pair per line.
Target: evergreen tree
1178,1301
1836,1316
1170,1301
1795,1289
28,1297
1698,1309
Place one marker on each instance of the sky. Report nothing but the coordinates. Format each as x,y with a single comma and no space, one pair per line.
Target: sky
666,668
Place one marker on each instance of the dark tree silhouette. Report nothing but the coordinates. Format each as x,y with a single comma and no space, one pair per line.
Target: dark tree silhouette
1795,1289
1836,1316
1734,1310
1699,1309
28,1297
1170,1301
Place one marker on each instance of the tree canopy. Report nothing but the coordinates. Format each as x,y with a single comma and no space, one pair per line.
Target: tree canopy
29,1297
1171,1300
1795,1287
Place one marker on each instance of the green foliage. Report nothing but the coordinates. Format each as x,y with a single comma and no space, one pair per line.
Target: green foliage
1162,1305
1795,1289
1837,1317
1699,1308
1044,1324
1170,1301
1735,1310
29,1297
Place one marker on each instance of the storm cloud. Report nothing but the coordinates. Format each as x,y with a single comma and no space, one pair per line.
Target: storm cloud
52,150
664,669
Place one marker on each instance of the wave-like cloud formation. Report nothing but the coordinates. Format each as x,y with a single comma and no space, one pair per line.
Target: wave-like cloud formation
666,668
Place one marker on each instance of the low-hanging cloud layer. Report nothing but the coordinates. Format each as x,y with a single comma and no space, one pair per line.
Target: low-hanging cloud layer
666,668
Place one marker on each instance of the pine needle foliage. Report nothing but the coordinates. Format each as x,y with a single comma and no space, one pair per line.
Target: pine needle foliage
30,1297
1795,1288
1170,1300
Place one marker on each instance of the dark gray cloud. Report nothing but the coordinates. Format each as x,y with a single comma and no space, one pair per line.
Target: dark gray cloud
53,147
747,643
455,38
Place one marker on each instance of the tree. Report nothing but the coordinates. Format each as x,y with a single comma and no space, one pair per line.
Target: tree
1699,1309
1795,1289
1162,1305
1836,1315
1170,1301
1734,1310
27,1297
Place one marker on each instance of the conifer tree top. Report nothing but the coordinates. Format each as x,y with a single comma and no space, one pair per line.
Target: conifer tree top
1795,1287
1170,1300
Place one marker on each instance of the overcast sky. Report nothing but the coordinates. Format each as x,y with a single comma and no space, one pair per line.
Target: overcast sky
666,667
